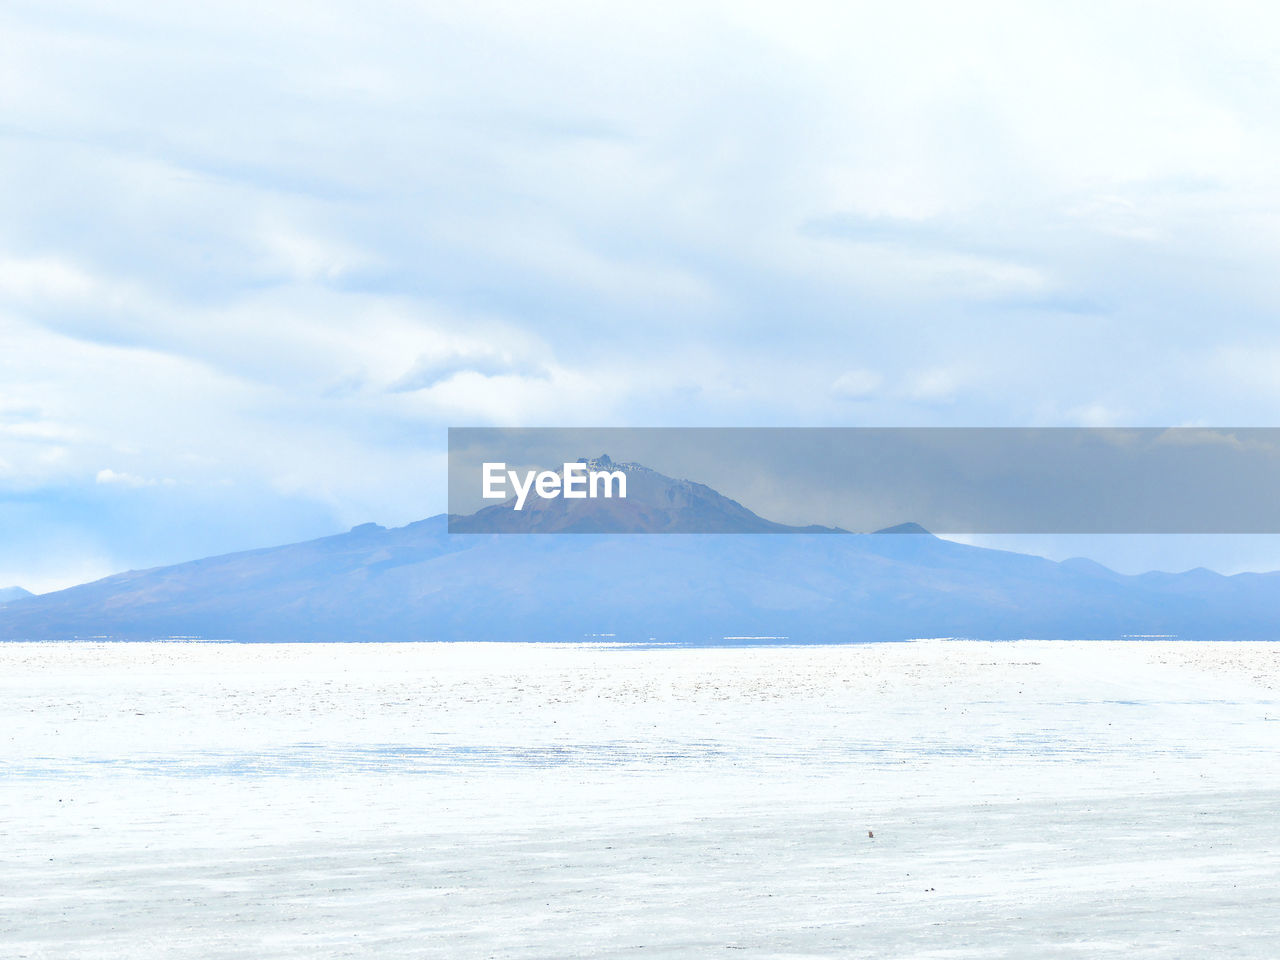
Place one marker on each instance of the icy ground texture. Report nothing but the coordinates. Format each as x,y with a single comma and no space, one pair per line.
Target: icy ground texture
1028,800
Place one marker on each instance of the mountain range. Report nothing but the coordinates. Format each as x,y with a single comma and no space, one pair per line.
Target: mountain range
476,578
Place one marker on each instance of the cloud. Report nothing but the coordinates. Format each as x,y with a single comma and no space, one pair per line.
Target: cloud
107,476
430,370
1097,414
856,384
38,279
288,267
938,385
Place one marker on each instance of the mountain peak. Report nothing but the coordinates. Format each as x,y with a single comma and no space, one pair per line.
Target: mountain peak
654,503
9,594
906,528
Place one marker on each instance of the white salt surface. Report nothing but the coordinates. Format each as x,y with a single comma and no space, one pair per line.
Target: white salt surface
1029,800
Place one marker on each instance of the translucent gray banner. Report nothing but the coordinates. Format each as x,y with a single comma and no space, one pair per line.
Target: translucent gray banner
842,480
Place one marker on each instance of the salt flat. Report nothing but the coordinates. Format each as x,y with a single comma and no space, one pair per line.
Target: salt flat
1028,799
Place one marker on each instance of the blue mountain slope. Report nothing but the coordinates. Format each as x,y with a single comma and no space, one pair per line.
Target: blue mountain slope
420,582
10,594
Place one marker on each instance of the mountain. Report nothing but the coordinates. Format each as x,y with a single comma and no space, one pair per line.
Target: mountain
9,594
421,582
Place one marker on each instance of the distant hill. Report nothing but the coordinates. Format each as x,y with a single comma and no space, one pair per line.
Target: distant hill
9,594
419,582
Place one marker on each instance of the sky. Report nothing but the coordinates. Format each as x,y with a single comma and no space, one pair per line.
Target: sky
256,258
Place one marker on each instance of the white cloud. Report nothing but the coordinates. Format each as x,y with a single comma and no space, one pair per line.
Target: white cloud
42,279
938,385
1096,414
857,384
107,477
282,247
